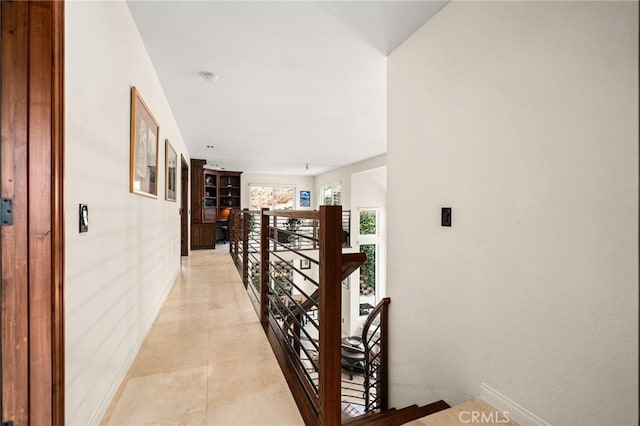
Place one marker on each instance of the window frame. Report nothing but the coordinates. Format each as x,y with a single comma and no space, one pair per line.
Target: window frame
333,200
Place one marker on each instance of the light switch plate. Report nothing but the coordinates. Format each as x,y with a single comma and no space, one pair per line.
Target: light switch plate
84,218
446,216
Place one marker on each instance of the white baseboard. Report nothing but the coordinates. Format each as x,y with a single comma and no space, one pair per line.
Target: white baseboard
517,412
102,408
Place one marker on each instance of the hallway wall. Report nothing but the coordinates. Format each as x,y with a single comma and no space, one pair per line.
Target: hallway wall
117,274
522,117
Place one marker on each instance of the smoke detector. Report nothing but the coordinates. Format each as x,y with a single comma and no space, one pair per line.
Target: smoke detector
209,77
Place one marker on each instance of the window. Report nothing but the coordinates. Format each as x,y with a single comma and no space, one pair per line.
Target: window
273,197
368,222
283,198
331,195
260,196
369,242
368,276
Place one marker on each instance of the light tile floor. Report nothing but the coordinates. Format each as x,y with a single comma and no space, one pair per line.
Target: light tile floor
206,360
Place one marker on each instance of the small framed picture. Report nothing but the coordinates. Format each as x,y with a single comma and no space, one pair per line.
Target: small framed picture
171,167
305,198
305,264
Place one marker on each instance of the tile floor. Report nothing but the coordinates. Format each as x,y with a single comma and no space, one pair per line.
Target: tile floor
206,360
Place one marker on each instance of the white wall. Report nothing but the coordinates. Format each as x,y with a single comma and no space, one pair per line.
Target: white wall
118,273
522,117
302,183
342,175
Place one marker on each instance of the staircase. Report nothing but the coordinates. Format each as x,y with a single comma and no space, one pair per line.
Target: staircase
393,417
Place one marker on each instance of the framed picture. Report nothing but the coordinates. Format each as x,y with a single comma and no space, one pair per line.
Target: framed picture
305,264
171,170
305,198
143,167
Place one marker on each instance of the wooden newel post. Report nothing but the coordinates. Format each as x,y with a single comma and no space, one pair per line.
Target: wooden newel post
264,267
246,218
384,350
236,230
329,314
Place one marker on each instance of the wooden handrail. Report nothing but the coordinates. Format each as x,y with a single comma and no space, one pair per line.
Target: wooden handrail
323,392
300,214
350,262
383,304
245,247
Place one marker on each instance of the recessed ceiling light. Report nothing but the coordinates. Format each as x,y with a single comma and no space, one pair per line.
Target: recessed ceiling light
209,77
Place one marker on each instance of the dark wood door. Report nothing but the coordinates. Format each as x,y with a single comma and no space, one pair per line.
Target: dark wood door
31,131
184,208
197,190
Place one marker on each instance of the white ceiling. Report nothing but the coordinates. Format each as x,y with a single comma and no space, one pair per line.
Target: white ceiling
299,82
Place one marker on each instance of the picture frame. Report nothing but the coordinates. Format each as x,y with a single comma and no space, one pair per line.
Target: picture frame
305,263
145,135
305,198
170,172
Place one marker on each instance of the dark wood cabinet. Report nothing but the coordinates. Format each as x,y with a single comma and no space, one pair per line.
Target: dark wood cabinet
213,194
203,235
197,188
228,193
209,196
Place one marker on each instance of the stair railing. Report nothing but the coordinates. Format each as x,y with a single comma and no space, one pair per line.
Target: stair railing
315,364
299,307
375,340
